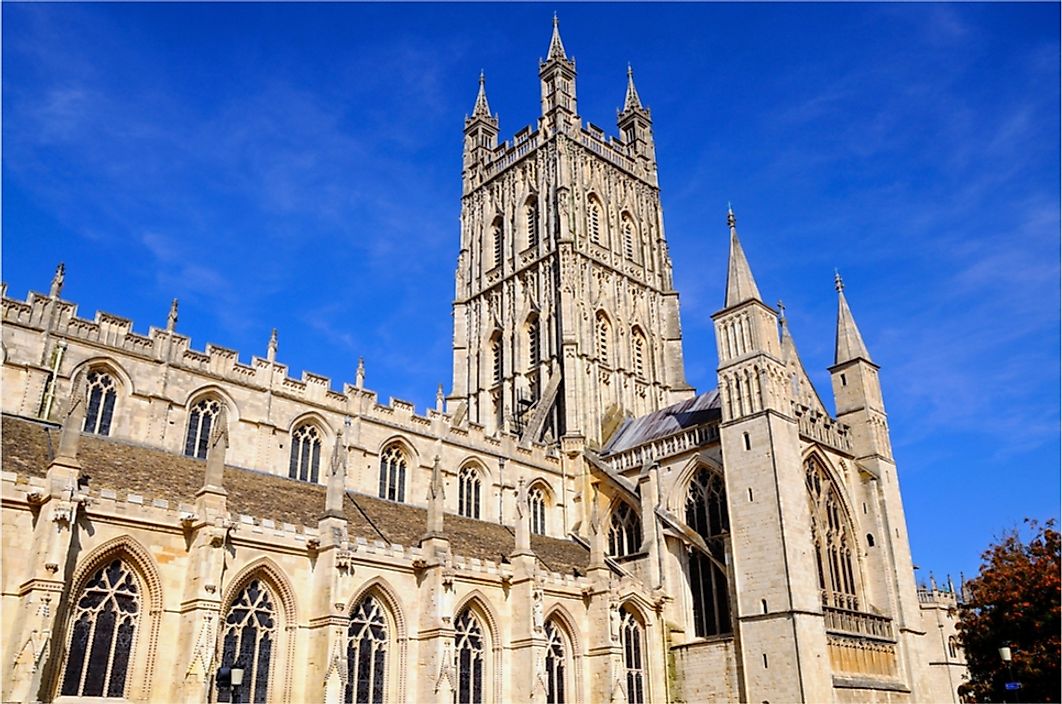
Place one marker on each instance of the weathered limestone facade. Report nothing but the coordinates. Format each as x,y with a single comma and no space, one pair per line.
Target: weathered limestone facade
571,523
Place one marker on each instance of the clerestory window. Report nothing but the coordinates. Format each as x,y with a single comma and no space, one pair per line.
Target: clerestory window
706,513
305,461
200,420
102,393
393,473
536,504
625,531
632,639
468,492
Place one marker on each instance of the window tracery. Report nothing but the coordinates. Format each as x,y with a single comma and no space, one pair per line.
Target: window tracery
536,503
625,531
706,513
469,652
496,359
832,536
556,664
393,473
367,645
633,660
305,459
603,335
102,393
200,420
468,492
248,634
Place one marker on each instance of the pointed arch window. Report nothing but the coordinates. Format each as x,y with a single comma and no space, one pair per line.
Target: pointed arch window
531,221
248,635
305,462
393,473
629,236
497,234
706,513
468,492
833,539
638,353
624,531
632,639
102,392
469,653
104,618
593,220
556,664
534,351
536,504
200,419
602,336
367,644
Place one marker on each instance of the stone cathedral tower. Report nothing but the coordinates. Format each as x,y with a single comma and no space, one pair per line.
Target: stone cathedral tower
565,317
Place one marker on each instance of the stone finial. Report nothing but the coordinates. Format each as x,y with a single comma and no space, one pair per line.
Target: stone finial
436,500
337,479
359,376
73,416
271,351
57,281
216,449
932,582
523,525
440,399
951,585
171,319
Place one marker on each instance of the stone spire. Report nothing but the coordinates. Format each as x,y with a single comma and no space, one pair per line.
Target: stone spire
556,46
171,319
218,445
337,479
632,100
850,344
57,281
481,108
740,286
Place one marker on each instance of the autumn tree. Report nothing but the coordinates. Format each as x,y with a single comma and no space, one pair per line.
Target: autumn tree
1014,602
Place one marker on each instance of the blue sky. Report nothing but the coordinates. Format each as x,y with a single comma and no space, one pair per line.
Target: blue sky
298,167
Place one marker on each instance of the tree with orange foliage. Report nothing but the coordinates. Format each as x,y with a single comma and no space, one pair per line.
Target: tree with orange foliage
1014,602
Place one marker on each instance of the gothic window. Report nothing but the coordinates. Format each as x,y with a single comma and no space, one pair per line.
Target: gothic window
638,353
200,420
593,220
706,514
833,539
628,236
603,334
468,492
393,473
498,240
533,348
531,221
101,395
633,659
624,531
367,642
469,653
556,659
953,647
104,622
305,453
496,359
536,503
248,634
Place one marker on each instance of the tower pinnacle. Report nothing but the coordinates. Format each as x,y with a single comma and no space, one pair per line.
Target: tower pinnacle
850,344
632,100
556,47
740,286
481,108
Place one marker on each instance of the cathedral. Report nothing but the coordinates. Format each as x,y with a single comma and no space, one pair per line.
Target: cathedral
572,522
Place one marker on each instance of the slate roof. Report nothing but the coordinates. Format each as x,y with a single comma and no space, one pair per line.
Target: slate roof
698,410
28,446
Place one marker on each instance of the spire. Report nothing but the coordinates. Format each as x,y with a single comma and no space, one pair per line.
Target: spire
740,286
556,47
632,101
481,108
849,342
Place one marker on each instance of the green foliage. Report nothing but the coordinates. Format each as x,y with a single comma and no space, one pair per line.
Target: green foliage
1014,601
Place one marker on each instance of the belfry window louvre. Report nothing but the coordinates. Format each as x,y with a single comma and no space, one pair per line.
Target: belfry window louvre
497,370
833,539
248,635
393,473
628,237
469,653
468,492
305,459
200,420
101,396
638,353
556,660
498,241
706,514
531,216
633,659
367,644
593,220
625,531
104,622
536,504
603,330
533,349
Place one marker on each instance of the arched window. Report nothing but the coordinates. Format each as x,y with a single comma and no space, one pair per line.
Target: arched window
104,619
536,504
498,240
531,221
624,531
305,453
833,539
248,634
556,661
469,653
706,513
393,473
593,219
631,637
638,352
200,420
496,359
468,492
534,351
628,236
367,642
102,392
953,647
603,334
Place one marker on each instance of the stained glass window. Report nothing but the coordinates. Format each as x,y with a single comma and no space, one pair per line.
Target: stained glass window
633,663
101,638
367,642
556,659
200,420
101,395
468,492
305,453
248,635
393,474
625,531
706,513
469,653
536,504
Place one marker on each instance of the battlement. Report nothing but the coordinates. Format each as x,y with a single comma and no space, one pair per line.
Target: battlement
820,427
931,596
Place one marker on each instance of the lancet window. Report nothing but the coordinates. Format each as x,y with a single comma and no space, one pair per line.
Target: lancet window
536,503
628,236
603,334
556,662
367,644
496,359
200,420
531,221
498,241
533,349
105,618
468,492
625,531
706,514
102,393
638,353
593,220
305,462
631,637
469,652
248,636
393,473
833,539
